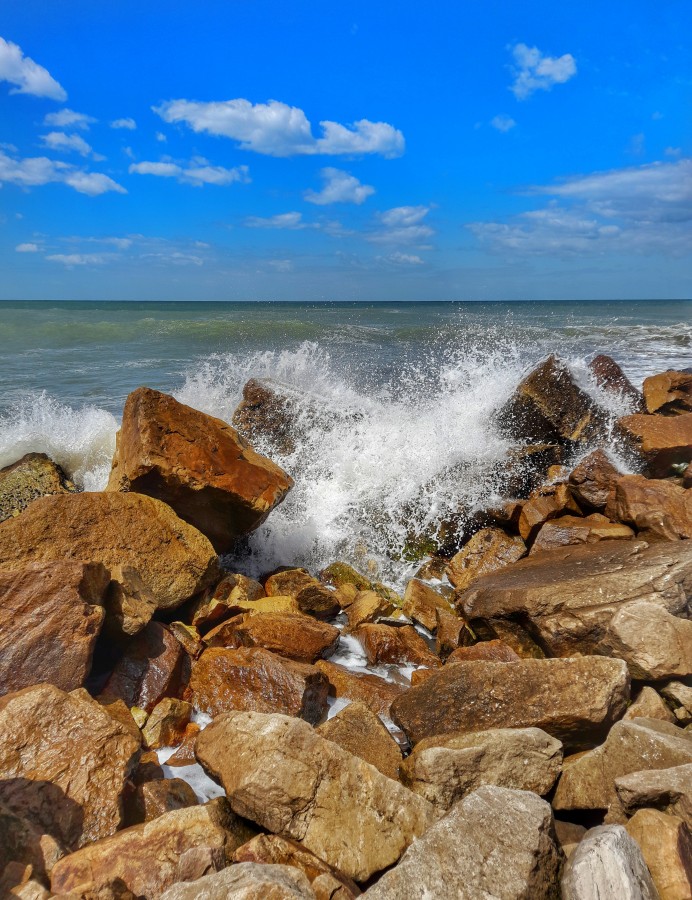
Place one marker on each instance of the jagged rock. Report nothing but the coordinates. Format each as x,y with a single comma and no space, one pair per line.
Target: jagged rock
570,595
653,643
493,651
50,617
570,530
446,768
666,845
662,442
233,594
545,503
400,646
649,705
610,378
488,550
574,700
119,711
607,863
588,781
196,464
377,693
146,859
495,843
160,560
292,635
680,696
451,633
592,479
154,798
525,468
669,790
270,413
359,730
280,773
166,724
63,763
311,595
421,603
34,475
188,637
246,881
185,752
659,510
257,680
366,606
149,670
668,393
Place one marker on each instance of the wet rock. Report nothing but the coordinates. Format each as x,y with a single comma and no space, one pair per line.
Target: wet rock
196,464
292,635
171,560
666,845
669,790
574,700
188,637
662,442
255,679
271,413
399,646
377,693
233,594
659,510
607,863
311,595
610,377
551,502
367,606
154,798
63,763
119,711
50,617
359,730
493,651
495,843
592,479
451,633
649,705
421,603
669,393
34,475
446,768
280,773
526,468
488,550
570,595
246,881
149,670
339,574
588,781
568,531
166,725
185,752
146,859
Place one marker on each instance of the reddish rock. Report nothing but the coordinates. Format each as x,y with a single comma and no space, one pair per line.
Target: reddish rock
149,670
662,442
375,692
229,596
366,606
488,550
452,631
610,377
359,730
659,510
119,711
188,637
154,798
400,646
268,413
196,464
185,752
292,635
571,530
311,595
493,651
592,480
34,475
669,393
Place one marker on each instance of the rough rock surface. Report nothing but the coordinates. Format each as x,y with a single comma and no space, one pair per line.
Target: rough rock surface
255,679
574,700
124,532
496,651
661,441
570,530
659,510
607,863
50,617
246,881
421,603
666,845
233,594
545,503
495,843
653,643
270,412
372,690
155,798
149,670
401,646
366,607
668,393
570,595
488,550
196,464
34,475
278,772
446,768
63,763
669,790
649,705
24,850
166,724
592,479
609,377
357,729
293,635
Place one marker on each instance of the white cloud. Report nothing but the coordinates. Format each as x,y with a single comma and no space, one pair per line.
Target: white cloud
128,124
503,123
402,225
57,140
276,129
536,72
339,187
281,265
68,118
177,258
290,220
26,75
674,152
195,173
39,170
27,248
161,137
402,259
80,259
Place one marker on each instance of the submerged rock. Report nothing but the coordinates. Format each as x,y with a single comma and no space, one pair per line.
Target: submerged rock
34,475
607,863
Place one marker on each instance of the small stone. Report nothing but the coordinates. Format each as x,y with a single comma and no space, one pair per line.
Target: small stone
166,724
154,798
292,635
366,606
149,670
452,632
592,480
492,651
571,530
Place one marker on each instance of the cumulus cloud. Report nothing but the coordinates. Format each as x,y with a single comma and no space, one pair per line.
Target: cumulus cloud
68,118
26,75
534,71
402,225
127,124
58,140
339,187
196,173
503,123
27,248
39,170
289,220
402,259
276,129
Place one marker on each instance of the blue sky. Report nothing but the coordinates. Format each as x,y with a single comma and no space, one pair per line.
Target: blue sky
324,150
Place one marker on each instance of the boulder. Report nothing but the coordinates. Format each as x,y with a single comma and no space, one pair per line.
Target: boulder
446,768
659,510
50,617
452,632
549,502
493,651
607,863
592,480
146,859
185,752
568,531
34,475
154,798
233,594
196,464
254,679
366,606
159,560
396,645
377,693
669,790
292,635
610,378
63,763
166,725
663,443
359,730
495,843
488,550
280,773
246,881
150,669
666,845
271,413
569,595
421,603
653,643
574,700
588,781
311,595
669,393
649,705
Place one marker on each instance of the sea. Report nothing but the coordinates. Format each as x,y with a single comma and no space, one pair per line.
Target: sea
410,389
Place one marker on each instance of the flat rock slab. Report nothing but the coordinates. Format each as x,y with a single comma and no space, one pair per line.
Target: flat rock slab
669,790
50,617
246,881
280,773
575,700
293,635
495,843
607,863
571,594
397,645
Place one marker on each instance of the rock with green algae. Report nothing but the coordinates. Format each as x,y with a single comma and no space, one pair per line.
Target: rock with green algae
34,475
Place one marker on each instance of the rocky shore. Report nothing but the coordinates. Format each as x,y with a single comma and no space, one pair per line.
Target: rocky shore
522,725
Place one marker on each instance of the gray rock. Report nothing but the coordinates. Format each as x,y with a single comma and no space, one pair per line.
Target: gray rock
669,790
246,881
607,864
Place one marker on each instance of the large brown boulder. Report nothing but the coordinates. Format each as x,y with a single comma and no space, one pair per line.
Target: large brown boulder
662,442
63,763
34,475
150,669
247,881
668,393
489,550
575,700
592,479
292,635
197,464
280,773
359,730
50,617
666,845
377,693
659,510
157,560
254,679
570,595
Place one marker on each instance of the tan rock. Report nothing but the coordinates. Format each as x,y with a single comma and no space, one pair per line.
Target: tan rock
50,617
662,442
231,595
366,606
680,696
377,693
246,881
34,475
188,637
488,550
181,845
119,711
607,863
196,464
280,773
292,635
421,603
495,843
311,595
493,651
359,730
659,510
63,763
446,768
669,790
258,680
452,631
400,646
545,503
171,559
574,700
154,798
166,725
666,845
653,643
149,670
568,836
609,377
571,530
668,393
592,479
649,705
